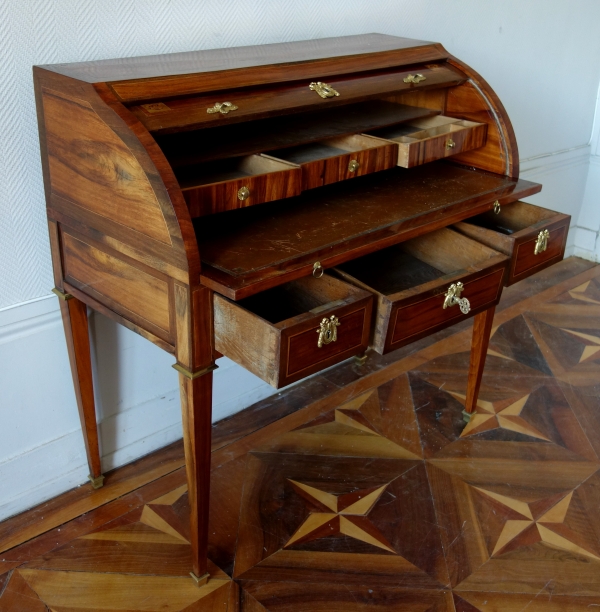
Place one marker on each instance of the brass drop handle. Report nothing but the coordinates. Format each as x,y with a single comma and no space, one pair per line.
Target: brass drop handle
243,193
328,330
222,107
541,244
317,269
450,144
323,89
452,297
353,166
414,78
497,207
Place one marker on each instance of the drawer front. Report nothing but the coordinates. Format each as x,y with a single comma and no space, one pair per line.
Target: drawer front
525,260
342,167
515,231
226,195
426,316
302,353
438,147
283,351
170,114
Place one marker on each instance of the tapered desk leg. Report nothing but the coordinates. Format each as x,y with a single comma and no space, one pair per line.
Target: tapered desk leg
482,326
75,320
196,407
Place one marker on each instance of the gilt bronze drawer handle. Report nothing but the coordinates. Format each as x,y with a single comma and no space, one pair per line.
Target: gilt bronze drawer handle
450,144
243,193
353,166
497,207
324,90
541,244
222,107
317,269
414,78
328,330
453,297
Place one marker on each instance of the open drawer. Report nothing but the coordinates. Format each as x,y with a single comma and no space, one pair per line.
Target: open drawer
533,237
288,332
337,159
414,283
237,182
425,140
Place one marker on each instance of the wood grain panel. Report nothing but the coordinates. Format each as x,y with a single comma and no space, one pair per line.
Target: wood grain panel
222,196
465,101
428,314
260,345
270,101
106,276
303,351
91,166
259,249
527,261
247,66
430,149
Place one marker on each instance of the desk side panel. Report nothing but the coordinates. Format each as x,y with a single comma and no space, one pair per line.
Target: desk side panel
105,191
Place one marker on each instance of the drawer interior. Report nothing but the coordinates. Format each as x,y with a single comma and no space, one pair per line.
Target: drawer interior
223,170
423,129
324,149
418,261
512,218
304,297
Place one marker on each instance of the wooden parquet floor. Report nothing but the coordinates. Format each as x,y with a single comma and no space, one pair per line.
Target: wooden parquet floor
362,490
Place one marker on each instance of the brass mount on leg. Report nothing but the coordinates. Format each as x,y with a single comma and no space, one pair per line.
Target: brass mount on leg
62,295
466,416
192,375
202,580
360,359
96,482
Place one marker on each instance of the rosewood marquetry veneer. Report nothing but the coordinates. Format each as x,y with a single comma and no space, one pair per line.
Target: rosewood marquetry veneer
287,206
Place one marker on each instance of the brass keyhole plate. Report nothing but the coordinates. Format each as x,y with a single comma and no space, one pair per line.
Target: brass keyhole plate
328,331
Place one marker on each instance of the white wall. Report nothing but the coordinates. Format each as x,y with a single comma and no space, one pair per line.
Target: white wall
587,232
541,57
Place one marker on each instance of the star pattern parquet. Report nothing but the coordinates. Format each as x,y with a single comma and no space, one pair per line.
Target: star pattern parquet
379,498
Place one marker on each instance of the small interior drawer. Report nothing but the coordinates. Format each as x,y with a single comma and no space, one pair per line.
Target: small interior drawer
276,334
337,159
518,231
431,138
411,281
237,182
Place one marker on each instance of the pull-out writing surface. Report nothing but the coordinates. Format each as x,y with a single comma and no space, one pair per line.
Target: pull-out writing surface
250,250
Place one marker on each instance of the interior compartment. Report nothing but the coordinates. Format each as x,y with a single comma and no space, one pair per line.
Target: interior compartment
235,140
424,128
228,170
430,138
324,149
337,159
512,218
417,261
411,281
305,295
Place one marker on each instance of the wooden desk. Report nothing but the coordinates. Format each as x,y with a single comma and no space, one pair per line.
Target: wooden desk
287,206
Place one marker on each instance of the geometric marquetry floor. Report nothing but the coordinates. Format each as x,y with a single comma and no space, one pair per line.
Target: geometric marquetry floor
376,497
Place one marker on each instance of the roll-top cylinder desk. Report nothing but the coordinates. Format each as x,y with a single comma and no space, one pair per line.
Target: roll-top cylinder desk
287,206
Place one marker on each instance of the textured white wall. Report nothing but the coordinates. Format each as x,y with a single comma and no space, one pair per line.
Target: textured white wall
587,237
541,57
